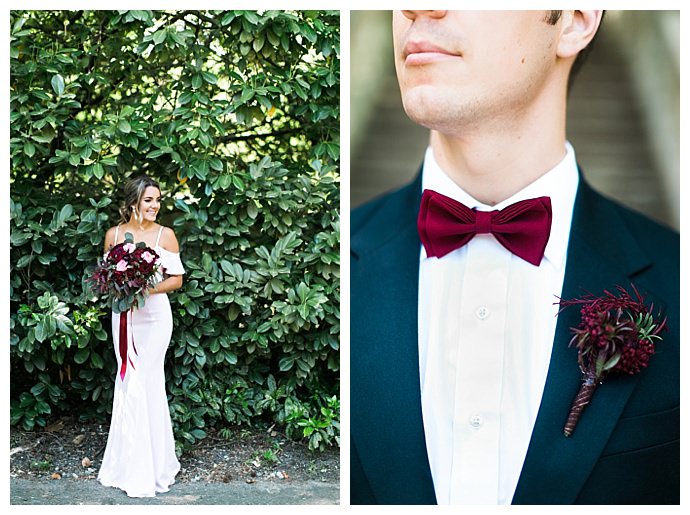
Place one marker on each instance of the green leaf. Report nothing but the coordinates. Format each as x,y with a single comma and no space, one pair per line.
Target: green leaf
216,164
159,36
18,238
82,355
186,97
42,329
178,37
227,18
65,213
124,126
238,182
251,17
18,24
286,363
258,42
24,261
206,262
29,148
140,15
43,137
227,267
209,77
230,358
247,95
58,84
64,324
96,360
613,361
198,434
98,170
155,153
38,389
277,286
233,312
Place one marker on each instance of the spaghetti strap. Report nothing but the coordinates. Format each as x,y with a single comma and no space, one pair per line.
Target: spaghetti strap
160,231
117,232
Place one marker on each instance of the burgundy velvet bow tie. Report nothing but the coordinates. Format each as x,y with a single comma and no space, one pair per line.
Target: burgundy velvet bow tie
523,228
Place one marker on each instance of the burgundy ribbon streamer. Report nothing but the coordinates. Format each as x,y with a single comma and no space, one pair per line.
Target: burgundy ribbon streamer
123,344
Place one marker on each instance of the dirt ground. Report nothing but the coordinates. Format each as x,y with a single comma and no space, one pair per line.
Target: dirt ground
69,449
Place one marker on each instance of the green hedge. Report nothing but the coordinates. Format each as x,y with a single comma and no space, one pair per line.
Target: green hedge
236,114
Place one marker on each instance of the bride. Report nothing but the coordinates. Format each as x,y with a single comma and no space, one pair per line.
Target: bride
140,455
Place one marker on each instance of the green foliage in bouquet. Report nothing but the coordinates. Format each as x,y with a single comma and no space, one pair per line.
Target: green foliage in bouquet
236,114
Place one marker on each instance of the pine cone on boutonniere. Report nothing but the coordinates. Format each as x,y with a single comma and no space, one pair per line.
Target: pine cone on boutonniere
617,333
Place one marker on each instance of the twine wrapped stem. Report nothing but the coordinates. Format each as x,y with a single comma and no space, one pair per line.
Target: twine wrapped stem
584,395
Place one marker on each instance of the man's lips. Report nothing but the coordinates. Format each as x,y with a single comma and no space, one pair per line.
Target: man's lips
423,52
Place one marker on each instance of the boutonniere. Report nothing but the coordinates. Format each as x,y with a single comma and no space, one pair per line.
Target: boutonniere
617,333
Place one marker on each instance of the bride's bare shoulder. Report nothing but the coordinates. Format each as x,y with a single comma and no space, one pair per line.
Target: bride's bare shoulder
169,240
109,238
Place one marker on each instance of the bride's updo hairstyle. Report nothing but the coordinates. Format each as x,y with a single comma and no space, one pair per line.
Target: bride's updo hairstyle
132,193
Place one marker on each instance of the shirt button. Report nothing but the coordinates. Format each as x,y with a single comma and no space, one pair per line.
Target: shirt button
482,312
476,421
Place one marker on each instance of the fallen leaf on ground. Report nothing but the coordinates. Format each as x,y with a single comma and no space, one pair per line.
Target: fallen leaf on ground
86,462
55,475
79,439
57,426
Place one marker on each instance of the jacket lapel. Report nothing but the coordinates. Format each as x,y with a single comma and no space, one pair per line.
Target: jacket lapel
601,255
388,429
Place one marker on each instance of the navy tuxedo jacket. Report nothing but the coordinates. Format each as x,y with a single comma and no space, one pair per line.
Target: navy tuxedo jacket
625,449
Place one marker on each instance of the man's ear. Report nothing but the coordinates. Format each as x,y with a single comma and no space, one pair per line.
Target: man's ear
577,30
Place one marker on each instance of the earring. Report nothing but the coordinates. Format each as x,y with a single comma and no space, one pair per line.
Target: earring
137,215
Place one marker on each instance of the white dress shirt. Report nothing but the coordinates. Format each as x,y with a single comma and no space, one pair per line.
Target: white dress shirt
486,326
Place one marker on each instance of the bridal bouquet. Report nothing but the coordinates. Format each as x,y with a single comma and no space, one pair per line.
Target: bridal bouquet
125,273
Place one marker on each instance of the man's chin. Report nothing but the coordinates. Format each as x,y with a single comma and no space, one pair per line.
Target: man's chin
426,112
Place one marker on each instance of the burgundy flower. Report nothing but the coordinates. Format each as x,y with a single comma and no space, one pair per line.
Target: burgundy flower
616,334
123,275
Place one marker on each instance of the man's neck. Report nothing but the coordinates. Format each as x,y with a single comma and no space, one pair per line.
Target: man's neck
493,165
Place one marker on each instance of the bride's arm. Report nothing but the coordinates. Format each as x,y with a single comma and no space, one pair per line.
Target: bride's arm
171,282
109,239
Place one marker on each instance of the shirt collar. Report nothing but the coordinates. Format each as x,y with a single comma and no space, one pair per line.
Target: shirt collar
560,184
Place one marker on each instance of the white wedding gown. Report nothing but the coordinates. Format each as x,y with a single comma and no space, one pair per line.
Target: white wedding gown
140,455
